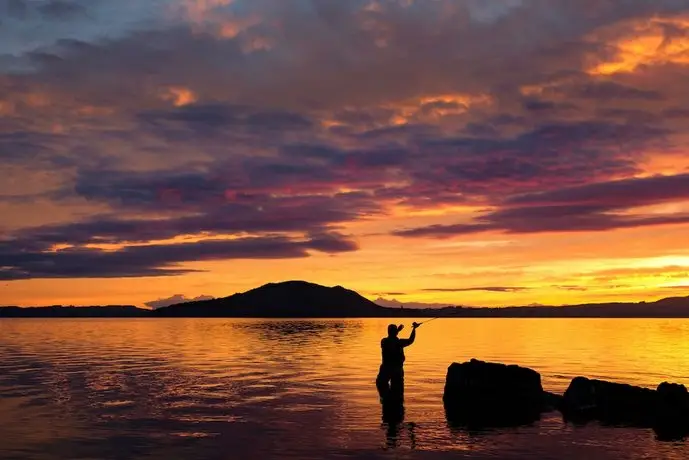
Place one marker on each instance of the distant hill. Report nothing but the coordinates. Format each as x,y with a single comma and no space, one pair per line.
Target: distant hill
59,311
677,307
300,299
290,299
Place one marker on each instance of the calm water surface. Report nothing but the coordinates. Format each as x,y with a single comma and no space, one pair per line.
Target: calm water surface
261,389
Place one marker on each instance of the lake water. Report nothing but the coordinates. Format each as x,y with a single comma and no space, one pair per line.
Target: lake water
262,389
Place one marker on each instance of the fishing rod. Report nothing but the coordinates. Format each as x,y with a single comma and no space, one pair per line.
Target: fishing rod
451,315
429,320
415,324
426,321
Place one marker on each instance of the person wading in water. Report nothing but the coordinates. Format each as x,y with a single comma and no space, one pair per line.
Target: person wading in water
390,380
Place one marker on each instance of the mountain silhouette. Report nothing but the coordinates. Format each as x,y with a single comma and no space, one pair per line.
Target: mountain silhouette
301,299
289,299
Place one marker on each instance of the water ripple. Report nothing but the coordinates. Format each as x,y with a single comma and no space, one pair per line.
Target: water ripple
224,389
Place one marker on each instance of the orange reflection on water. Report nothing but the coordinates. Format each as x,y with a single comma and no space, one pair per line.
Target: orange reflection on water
306,386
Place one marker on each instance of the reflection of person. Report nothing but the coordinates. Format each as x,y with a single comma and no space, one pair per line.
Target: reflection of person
393,423
391,374
393,416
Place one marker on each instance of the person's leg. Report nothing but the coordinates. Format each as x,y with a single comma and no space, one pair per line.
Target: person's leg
382,381
397,382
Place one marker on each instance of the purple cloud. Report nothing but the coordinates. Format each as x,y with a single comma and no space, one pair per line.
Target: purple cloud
591,207
22,260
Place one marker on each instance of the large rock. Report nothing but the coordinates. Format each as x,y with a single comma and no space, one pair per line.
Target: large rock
665,409
480,394
672,411
609,402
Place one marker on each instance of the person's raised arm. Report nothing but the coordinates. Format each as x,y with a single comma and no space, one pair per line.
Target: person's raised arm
412,336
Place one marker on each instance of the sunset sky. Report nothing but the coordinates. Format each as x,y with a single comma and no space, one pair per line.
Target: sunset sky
475,152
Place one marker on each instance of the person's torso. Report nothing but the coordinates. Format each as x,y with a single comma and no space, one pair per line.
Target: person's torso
393,352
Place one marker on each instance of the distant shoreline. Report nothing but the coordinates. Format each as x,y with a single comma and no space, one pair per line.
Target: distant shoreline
566,312
304,300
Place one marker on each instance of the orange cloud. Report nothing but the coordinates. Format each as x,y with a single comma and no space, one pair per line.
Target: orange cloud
233,26
7,108
205,17
179,96
12,103
647,43
199,11
435,107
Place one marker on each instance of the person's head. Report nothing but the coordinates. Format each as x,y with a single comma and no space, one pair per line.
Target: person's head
393,329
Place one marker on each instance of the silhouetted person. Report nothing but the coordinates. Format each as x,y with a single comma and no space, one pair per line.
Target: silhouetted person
390,380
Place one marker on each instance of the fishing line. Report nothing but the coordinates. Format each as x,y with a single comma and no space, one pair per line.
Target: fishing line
429,320
451,315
